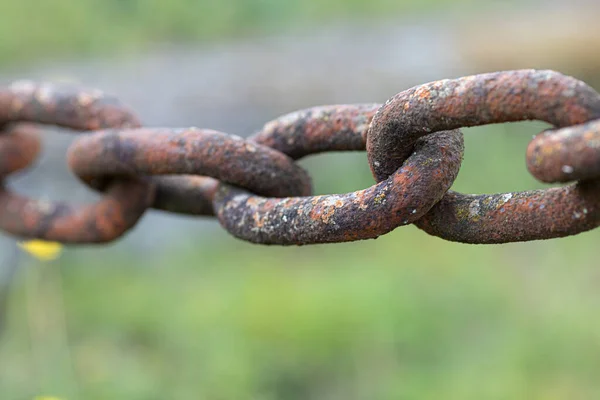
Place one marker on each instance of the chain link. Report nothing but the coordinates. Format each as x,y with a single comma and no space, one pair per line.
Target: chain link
259,194
79,110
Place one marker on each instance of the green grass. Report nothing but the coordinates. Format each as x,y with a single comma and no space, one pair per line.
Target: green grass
33,29
406,316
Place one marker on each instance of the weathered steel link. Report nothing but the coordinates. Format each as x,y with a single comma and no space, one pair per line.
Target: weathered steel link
507,96
161,151
185,194
106,220
319,129
63,106
259,194
19,147
566,154
483,99
400,200
515,217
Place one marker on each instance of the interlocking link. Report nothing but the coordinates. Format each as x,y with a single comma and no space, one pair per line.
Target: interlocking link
484,99
19,147
126,199
365,214
567,154
161,151
318,129
259,194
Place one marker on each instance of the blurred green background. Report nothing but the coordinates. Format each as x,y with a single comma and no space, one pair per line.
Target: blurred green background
201,315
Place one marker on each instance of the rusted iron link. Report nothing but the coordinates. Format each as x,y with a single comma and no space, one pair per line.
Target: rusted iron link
19,147
64,106
478,100
319,129
567,154
185,194
144,152
106,220
365,214
515,217
414,147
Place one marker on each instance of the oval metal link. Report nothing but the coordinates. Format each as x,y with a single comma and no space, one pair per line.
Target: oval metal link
76,109
567,154
144,152
318,129
413,144
515,217
19,147
365,214
478,100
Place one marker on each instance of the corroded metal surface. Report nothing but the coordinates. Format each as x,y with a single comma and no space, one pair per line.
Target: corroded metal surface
160,151
101,222
566,154
366,214
483,99
106,220
319,129
476,100
259,194
64,106
515,217
185,194
19,147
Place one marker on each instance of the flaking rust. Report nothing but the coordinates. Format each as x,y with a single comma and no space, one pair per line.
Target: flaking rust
555,156
319,129
506,96
74,108
195,153
413,144
515,217
567,154
79,110
365,214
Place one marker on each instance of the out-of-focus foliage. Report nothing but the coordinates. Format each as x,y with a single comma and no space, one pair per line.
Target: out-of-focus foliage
404,316
32,28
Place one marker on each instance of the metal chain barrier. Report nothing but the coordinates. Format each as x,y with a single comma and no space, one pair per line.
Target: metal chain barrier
259,194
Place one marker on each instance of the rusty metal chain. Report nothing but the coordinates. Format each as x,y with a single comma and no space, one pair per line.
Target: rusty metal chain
259,194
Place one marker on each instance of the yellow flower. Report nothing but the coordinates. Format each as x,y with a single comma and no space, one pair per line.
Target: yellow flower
44,251
47,398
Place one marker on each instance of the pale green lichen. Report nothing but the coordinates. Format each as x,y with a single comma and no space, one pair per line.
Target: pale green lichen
379,199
